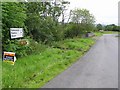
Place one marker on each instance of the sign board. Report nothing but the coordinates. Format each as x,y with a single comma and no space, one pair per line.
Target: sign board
16,32
9,57
24,42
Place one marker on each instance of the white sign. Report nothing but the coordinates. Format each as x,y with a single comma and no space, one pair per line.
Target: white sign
16,32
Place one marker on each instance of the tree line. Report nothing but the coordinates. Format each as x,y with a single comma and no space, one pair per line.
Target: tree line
110,27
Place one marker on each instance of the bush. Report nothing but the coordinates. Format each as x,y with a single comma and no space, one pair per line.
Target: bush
46,30
23,50
72,30
35,47
14,46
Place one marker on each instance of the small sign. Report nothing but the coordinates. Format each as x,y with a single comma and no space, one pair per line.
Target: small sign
9,57
24,42
16,32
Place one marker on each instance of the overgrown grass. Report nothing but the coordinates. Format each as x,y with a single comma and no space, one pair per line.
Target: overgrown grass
35,70
75,44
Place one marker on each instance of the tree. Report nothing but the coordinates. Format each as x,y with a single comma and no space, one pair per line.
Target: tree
42,22
110,27
99,27
84,20
82,16
63,6
13,16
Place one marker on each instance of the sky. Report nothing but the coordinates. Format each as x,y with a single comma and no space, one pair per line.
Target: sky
104,11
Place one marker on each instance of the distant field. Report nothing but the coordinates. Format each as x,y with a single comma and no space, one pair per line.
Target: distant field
105,32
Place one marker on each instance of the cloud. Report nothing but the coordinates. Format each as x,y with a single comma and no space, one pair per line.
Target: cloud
105,11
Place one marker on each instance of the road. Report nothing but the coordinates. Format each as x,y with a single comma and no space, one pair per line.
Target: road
98,68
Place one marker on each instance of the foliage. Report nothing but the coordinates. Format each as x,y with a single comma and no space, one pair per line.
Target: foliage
112,27
100,27
46,30
35,47
82,16
40,23
81,23
33,19
71,30
43,28
13,15
34,71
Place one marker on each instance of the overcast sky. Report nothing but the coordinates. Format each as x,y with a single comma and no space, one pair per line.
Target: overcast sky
105,11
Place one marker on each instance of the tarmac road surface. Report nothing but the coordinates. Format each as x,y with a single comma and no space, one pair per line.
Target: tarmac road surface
98,68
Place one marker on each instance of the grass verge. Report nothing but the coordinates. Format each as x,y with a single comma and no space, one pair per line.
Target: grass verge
35,70
105,32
